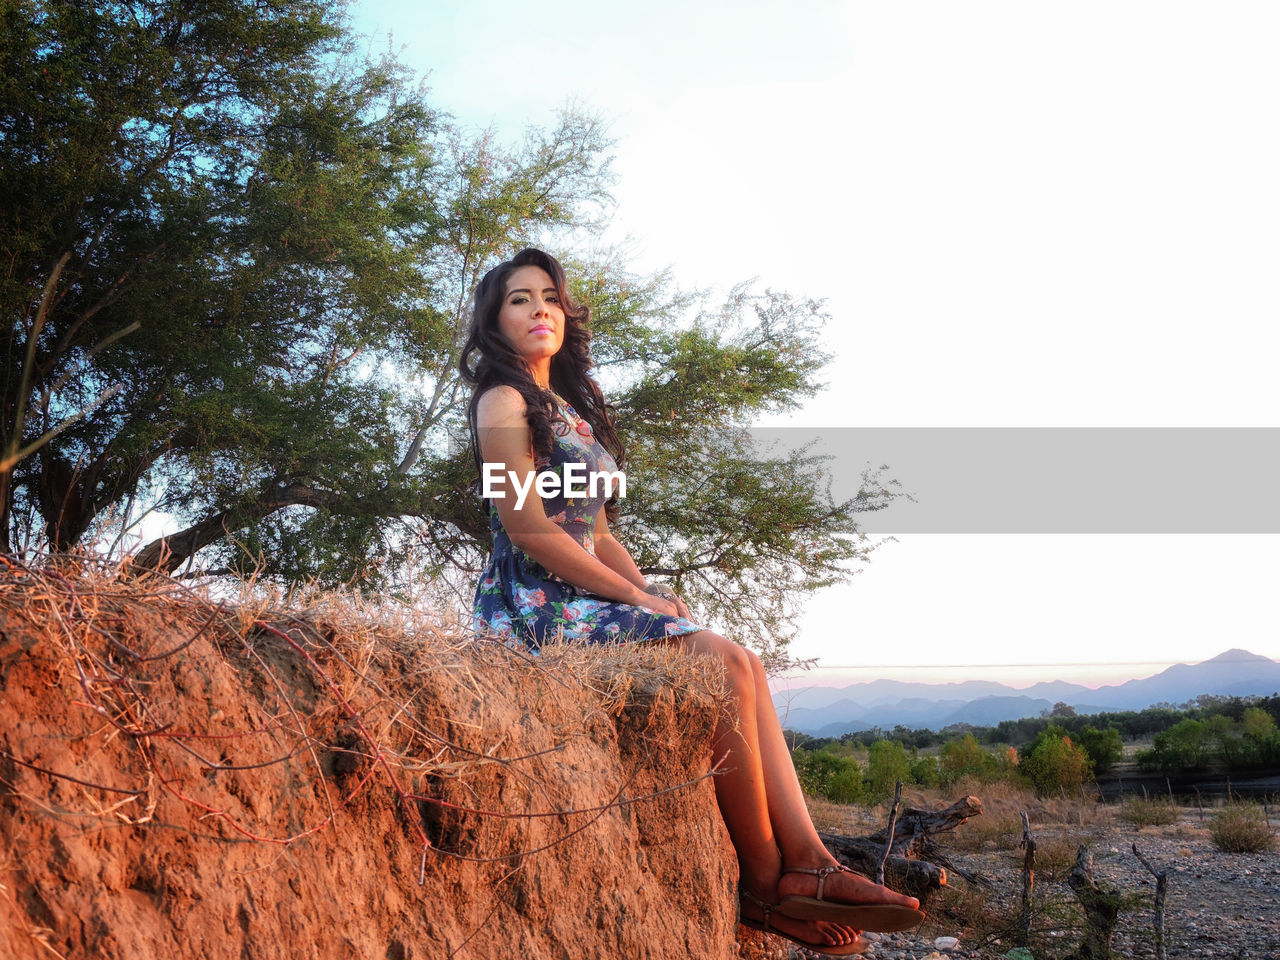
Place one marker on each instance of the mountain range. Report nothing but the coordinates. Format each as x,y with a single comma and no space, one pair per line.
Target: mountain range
832,711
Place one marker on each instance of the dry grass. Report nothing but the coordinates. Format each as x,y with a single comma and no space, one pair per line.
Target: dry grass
317,661
1242,828
1003,831
845,819
1147,813
973,915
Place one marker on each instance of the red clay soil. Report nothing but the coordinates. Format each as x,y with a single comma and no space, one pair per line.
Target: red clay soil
182,779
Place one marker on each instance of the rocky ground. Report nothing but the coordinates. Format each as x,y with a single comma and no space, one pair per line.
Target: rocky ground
1217,905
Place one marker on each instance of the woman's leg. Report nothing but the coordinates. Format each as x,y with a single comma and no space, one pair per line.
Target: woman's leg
760,797
797,838
742,788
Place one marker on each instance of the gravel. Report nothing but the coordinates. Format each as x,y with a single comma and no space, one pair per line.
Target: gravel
1218,905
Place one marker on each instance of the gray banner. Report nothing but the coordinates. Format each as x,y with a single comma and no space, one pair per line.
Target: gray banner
1055,480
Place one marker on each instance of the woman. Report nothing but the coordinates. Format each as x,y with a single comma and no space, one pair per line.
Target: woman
557,569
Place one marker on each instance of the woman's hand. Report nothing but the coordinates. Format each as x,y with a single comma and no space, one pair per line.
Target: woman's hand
662,593
683,608
658,605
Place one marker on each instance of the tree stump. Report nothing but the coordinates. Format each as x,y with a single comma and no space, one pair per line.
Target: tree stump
1101,909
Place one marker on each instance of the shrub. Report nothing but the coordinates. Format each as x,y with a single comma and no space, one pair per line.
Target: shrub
846,786
1147,813
887,763
924,770
1051,763
964,757
1242,828
827,776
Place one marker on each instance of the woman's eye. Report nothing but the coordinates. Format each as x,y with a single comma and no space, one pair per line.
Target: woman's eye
553,299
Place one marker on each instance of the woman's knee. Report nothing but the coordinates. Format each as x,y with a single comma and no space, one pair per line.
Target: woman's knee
736,658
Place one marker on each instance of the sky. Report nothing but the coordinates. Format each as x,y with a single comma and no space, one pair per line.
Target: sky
1017,214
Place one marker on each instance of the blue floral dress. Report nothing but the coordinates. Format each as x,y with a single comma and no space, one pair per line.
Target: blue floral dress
520,601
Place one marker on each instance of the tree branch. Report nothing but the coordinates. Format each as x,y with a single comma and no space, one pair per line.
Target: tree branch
167,554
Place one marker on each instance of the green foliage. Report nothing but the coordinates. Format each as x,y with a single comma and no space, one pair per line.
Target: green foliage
1184,746
1104,747
1242,828
828,776
925,771
1234,732
887,763
1052,763
244,251
965,757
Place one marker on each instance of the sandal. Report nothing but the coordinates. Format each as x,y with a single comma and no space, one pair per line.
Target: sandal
859,944
880,917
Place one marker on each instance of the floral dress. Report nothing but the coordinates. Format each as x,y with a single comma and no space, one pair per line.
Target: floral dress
520,601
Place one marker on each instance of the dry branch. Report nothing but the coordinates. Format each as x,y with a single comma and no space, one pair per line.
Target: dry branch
1028,880
1162,886
1101,909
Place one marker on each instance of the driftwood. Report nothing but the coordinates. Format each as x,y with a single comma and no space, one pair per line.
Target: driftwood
904,868
1101,909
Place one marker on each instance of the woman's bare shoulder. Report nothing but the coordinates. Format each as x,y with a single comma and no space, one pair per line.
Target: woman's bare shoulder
501,406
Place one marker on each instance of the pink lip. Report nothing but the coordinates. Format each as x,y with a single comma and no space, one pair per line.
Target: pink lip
542,327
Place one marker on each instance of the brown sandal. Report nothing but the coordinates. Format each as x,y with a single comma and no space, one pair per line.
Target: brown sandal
880,917
859,944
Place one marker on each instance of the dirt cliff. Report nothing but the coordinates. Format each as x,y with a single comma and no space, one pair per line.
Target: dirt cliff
186,778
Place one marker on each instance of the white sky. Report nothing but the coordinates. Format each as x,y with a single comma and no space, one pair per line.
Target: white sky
1019,214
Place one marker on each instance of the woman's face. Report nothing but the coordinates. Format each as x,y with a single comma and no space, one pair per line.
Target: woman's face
531,316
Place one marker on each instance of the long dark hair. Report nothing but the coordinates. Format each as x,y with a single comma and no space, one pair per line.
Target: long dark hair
489,360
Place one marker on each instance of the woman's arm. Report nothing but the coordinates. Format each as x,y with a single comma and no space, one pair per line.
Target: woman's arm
504,438
615,556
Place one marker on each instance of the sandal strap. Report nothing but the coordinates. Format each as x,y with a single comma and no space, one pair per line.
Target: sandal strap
765,908
821,873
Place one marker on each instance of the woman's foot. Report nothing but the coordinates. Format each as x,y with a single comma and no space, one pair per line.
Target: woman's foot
835,893
757,913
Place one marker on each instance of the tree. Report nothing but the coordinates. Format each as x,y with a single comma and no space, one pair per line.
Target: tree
1104,747
1184,746
1052,763
239,256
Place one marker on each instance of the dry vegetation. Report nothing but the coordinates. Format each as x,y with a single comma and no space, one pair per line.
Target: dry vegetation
982,905
1147,813
208,751
1242,828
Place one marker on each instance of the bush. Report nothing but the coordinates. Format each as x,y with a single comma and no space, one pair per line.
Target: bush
1242,828
964,757
924,770
887,763
827,776
1147,813
1052,763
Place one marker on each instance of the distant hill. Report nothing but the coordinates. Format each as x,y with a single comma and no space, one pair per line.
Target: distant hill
833,711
